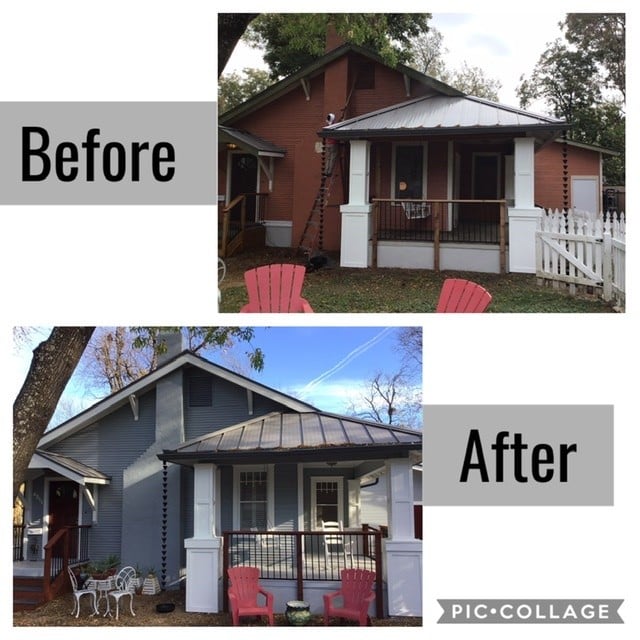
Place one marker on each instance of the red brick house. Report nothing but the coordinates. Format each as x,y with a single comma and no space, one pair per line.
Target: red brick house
426,176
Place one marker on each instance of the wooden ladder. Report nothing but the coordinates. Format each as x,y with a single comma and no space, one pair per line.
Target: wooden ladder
311,238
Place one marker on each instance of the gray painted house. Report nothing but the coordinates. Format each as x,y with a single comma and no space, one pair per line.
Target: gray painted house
132,467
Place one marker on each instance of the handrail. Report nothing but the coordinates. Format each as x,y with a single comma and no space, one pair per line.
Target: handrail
226,210
53,583
55,565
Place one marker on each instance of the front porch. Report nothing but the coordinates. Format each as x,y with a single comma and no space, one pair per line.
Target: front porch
302,565
469,235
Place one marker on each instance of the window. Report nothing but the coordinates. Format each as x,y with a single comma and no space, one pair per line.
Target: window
253,500
200,391
365,75
409,171
326,500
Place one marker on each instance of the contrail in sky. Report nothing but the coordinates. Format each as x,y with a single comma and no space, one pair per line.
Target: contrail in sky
346,360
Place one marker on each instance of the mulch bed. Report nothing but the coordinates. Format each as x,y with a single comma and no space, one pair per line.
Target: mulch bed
57,613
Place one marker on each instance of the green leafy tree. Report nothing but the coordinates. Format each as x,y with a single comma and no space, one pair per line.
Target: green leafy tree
583,80
603,37
568,81
235,88
293,40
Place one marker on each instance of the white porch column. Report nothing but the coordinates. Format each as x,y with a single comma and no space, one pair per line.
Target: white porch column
523,216
356,214
403,553
204,549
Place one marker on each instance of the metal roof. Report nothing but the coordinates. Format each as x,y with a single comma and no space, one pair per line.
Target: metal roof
68,467
293,433
442,114
250,142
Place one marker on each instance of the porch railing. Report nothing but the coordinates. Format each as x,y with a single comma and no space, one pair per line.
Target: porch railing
304,555
244,210
68,546
18,542
437,221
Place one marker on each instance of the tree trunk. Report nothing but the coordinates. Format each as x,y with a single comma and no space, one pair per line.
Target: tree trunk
53,363
231,27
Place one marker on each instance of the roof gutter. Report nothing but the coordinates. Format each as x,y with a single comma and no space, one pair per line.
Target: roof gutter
266,456
360,134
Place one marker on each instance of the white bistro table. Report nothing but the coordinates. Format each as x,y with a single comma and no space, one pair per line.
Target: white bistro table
102,588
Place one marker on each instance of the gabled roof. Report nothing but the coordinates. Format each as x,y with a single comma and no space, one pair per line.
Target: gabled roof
67,467
442,115
144,384
250,142
317,67
310,435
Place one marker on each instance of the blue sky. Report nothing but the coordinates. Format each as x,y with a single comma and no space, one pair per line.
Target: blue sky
325,366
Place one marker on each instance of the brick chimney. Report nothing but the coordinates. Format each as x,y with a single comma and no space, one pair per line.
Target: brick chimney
332,39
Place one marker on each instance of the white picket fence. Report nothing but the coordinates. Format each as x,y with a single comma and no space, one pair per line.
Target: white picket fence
579,250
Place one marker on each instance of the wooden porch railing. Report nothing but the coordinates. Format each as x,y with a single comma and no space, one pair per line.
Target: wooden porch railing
68,546
234,221
301,556
430,221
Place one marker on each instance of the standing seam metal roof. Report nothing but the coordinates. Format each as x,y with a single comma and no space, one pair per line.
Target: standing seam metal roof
278,431
444,112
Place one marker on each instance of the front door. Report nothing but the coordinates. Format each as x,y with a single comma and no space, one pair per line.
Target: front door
63,505
244,180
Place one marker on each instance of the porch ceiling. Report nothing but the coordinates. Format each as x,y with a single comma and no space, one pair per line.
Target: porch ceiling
439,115
299,436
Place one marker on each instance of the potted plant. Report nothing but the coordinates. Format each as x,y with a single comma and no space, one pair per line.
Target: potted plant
102,569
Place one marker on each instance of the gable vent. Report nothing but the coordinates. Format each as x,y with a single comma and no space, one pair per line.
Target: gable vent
200,391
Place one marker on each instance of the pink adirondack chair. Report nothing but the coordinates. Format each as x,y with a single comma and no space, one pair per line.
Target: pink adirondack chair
356,594
462,296
244,592
276,288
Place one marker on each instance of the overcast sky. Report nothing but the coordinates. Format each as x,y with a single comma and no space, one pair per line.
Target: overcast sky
503,45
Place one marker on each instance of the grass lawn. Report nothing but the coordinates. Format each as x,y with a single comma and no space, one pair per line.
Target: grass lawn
334,289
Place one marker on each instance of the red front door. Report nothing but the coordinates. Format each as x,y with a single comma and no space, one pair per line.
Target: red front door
63,505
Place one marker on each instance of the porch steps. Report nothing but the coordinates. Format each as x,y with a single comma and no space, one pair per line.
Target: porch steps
28,593
311,239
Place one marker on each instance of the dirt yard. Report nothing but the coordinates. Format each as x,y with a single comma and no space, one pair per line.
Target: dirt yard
58,614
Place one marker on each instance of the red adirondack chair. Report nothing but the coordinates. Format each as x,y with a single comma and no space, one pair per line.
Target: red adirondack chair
276,288
244,592
462,296
356,594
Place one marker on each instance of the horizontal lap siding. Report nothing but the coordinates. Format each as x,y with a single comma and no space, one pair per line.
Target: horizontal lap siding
110,446
229,407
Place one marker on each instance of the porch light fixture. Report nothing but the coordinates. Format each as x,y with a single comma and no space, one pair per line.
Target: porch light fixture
231,146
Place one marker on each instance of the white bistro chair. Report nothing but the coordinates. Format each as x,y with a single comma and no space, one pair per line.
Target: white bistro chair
78,593
124,587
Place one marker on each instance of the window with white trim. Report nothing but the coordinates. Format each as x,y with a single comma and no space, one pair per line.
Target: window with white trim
253,498
326,500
